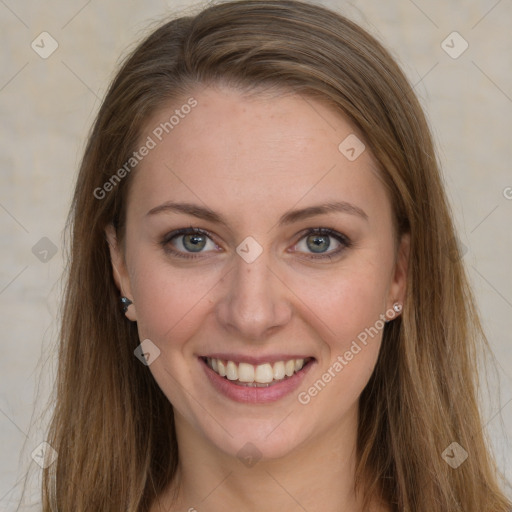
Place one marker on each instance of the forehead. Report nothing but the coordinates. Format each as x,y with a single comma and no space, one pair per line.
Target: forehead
236,152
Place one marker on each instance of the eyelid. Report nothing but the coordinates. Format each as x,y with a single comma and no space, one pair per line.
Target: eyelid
187,231
324,231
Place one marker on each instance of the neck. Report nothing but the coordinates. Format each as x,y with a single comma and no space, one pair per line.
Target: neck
318,475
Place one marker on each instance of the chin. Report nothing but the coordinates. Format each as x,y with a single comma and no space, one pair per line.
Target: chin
261,439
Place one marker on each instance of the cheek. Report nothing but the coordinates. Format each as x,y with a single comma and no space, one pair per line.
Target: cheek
347,302
350,321
347,311
169,301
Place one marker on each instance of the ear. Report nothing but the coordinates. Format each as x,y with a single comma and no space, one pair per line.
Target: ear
119,270
399,283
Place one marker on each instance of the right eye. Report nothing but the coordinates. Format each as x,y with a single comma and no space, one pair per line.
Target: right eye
186,242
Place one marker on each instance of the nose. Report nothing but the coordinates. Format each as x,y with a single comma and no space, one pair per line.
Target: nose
254,302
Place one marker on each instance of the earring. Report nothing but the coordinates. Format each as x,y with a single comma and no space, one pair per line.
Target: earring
125,302
397,307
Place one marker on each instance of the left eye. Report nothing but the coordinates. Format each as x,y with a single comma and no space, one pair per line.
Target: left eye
318,242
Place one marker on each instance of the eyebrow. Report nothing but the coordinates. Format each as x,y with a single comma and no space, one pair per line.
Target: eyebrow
289,217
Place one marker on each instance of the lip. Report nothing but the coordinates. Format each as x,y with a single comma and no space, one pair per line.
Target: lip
255,395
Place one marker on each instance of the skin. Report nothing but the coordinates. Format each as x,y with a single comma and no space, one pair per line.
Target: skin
251,159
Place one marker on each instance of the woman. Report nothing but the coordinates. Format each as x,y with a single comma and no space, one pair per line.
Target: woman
261,312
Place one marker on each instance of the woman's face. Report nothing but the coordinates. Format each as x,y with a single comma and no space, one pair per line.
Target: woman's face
293,258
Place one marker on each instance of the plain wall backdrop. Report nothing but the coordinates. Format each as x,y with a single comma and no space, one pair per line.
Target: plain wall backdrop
48,103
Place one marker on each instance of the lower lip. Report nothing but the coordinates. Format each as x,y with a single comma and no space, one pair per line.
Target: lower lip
256,395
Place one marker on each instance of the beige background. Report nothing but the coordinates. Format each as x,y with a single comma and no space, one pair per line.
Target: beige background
47,106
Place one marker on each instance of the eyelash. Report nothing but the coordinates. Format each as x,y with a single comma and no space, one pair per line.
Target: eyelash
342,239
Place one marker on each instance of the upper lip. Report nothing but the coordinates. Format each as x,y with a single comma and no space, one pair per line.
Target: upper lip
256,360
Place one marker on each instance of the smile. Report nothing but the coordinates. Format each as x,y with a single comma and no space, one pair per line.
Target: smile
261,375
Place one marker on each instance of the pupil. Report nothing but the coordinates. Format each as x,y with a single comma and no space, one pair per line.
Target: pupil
319,243
194,242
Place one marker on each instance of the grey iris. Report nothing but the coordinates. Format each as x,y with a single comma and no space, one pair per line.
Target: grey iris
194,242
318,243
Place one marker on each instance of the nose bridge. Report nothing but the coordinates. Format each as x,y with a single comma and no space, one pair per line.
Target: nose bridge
254,301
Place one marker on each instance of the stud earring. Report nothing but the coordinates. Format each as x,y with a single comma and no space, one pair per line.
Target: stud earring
125,302
397,307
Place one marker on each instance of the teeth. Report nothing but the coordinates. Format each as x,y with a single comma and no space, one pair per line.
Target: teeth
231,371
279,370
264,373
261,374
289,368
245,372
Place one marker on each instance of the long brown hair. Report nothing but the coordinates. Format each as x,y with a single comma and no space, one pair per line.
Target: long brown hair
113,427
